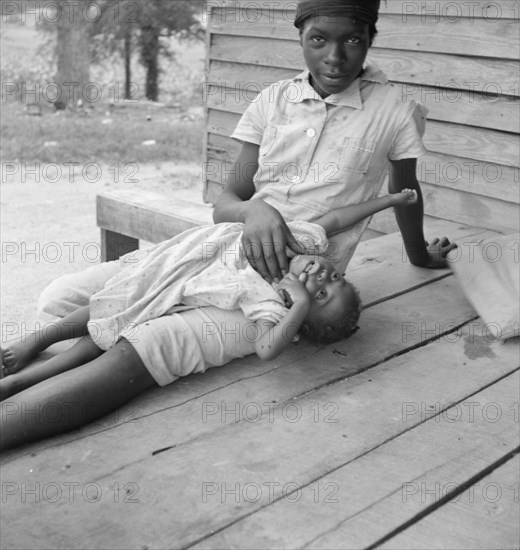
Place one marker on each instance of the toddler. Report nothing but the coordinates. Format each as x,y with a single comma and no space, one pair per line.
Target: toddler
206,266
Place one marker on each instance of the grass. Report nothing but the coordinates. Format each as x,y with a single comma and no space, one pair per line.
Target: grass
82,138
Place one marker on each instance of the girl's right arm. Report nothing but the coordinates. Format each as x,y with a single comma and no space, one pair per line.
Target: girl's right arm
339,219
233,205
266,234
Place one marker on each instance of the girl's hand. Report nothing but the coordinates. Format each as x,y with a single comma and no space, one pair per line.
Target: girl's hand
294,291
437,252
265,239
405,197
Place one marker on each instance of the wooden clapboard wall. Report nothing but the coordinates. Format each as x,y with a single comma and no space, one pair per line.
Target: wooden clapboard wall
460,59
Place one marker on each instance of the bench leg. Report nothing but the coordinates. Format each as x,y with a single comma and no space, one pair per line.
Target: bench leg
114,245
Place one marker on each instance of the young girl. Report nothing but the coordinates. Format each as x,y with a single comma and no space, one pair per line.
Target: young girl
201,267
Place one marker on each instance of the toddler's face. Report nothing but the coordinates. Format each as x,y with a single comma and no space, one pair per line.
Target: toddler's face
331,294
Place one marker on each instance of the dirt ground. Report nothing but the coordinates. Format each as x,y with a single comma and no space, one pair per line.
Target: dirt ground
48,227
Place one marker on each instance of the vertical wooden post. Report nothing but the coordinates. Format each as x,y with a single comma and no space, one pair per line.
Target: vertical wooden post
115,245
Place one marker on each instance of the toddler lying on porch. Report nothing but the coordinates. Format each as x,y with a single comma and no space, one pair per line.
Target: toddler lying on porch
201,267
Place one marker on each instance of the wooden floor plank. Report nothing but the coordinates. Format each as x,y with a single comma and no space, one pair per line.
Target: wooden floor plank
448,455
383,489
174,414
486,515
172,508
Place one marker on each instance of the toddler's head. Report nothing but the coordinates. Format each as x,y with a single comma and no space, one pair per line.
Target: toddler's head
335,306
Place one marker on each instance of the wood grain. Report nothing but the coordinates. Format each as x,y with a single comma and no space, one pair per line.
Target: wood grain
471,73
464,35
487,512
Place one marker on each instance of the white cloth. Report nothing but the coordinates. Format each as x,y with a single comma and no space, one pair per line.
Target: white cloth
489,274
204,266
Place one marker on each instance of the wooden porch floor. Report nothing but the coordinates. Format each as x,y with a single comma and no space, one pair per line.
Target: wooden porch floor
404,436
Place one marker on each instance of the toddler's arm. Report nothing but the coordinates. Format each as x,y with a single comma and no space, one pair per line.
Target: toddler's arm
342,218
276,337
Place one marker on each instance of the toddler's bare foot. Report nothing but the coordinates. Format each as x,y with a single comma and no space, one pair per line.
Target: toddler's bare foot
405,197
19,354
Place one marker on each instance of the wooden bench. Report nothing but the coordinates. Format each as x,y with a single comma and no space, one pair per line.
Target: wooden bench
127,216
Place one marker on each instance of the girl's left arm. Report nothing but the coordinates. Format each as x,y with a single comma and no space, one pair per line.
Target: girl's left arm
402,174
410,218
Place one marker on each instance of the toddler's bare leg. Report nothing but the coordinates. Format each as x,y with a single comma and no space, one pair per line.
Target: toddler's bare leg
85,393
83,351
18,354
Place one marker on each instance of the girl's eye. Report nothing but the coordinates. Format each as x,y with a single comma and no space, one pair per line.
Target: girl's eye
335,276
317,38
353,40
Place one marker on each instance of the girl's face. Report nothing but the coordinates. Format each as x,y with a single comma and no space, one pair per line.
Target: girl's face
334,49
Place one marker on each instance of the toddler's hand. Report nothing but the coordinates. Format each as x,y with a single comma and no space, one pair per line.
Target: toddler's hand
294,290
405,197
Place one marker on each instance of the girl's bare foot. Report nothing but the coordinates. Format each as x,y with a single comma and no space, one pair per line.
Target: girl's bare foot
19,354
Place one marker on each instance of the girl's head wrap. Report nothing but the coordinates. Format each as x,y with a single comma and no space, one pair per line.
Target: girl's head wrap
363,10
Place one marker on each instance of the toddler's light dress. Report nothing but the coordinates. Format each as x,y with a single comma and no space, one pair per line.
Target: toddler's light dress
204,266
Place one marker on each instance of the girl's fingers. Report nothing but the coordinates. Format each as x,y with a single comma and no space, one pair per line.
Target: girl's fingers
262,255
294,245
448,249
281,258
248,251
252,252
263,267
269,259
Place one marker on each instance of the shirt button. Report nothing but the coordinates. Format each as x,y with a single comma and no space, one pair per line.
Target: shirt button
311,132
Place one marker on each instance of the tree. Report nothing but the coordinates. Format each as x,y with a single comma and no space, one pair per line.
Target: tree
73,59
158,19
115,32
143,23
90,30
